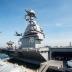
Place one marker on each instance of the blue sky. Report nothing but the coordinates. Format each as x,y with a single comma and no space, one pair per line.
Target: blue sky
54,16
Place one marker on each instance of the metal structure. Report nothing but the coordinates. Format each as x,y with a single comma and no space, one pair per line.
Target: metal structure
10,44
33,34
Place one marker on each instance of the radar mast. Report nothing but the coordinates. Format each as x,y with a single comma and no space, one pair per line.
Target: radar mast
33,34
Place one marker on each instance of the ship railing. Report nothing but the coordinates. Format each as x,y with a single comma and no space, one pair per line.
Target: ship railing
29,49
41,50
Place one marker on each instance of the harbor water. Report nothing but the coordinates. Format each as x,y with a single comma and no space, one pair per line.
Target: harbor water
6,66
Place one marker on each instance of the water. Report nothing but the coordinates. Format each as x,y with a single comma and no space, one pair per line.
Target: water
12,65
3,56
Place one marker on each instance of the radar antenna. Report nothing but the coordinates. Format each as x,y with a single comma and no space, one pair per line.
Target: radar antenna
30,16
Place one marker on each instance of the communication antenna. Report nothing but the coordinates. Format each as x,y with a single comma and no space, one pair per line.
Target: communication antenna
30,16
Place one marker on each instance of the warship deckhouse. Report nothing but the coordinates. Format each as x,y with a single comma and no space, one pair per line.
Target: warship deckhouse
31,41
33,34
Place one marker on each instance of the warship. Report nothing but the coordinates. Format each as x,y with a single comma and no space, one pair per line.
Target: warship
32,52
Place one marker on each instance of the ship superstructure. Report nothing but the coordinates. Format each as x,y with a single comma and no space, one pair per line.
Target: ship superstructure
33,34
